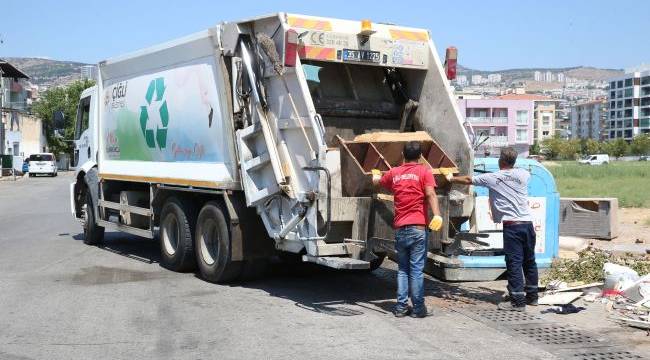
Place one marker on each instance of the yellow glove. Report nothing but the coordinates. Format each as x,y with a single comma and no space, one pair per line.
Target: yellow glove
447,173
376,175
436,223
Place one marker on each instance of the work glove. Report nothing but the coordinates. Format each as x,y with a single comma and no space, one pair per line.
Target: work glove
447,173
436,223
376,175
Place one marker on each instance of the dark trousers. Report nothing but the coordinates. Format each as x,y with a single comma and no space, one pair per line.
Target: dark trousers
519,247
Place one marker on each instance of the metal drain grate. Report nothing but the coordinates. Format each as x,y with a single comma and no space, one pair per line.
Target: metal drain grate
501,316
555,335
605,354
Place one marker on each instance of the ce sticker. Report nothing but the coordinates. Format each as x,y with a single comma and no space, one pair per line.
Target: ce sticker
317,38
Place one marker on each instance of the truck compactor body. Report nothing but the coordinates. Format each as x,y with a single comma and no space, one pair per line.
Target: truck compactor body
254,139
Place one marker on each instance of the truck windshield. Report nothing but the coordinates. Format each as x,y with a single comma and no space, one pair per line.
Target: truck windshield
40,157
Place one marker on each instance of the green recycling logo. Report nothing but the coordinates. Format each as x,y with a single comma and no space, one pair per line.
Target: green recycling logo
155,104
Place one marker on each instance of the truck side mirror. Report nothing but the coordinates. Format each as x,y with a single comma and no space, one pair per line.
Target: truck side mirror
58,120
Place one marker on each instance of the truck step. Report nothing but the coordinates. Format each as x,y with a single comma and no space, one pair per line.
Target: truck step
249,131
337,262
256,162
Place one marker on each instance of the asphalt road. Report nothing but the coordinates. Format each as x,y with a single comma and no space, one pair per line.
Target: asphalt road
61,299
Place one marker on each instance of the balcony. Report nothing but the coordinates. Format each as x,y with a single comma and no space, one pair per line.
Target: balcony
495,141
488,120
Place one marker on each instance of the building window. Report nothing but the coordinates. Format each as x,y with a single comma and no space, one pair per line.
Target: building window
628,133
629,92
637,81
645,80
612,85
619,103
546,120
628,102
612,124
544,133
522,117
612,94
612,114
612,134
619,114
619,124
522,135
620,83
628,123
628,113
628,82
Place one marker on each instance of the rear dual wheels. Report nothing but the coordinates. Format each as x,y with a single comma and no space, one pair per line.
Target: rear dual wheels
213,245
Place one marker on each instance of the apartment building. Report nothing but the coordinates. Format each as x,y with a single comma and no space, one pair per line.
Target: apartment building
629,104
588,120
544,114
498,123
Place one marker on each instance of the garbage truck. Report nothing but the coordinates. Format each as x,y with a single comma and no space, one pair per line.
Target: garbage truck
254,140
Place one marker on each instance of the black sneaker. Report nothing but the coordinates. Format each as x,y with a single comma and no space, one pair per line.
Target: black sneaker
421,314
508,306
402,313
532,302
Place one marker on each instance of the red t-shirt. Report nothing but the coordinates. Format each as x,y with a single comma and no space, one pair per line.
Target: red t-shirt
407,184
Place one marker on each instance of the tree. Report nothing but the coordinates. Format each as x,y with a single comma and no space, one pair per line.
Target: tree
534,149
63,99
569,149
640,145
618,148
552,147
590,147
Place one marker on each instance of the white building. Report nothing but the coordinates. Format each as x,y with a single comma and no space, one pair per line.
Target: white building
494,78
538,76
461,80
548,76
477,79
629,104
88,72
560,77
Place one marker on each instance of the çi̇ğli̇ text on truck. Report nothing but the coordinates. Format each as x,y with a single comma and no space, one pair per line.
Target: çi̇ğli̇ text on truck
256,138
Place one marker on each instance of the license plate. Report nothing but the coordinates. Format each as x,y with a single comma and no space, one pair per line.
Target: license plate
361,55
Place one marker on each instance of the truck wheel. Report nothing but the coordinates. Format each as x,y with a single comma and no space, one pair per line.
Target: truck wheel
213,245
176,230
93,234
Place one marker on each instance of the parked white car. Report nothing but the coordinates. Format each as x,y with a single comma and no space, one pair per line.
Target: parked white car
598,159
44,163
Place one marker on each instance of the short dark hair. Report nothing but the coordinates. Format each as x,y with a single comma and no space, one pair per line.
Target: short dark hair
412,151
508,156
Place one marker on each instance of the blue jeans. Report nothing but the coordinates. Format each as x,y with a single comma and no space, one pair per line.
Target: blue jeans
519,247
411,246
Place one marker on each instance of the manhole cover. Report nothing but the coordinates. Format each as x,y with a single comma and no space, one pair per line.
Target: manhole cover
555,335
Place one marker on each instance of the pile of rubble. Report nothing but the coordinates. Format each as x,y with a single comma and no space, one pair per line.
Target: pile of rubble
621,283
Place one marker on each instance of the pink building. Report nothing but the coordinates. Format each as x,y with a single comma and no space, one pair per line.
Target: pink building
498,123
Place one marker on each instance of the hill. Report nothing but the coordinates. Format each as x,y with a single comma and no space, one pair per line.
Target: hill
46,72
578,72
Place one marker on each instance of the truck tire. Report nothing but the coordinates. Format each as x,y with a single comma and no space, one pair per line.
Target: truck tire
176,233
213,246
93,234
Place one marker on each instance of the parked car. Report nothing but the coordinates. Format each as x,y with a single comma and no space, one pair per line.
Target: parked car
44,163
644,158
597,159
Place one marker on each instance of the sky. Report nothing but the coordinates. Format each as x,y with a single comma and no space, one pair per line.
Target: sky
489,34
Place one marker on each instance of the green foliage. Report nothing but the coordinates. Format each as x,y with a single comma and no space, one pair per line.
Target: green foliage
570,149
552,147
640,145
589,266
64,99
590,147
619,179
617,148
534,149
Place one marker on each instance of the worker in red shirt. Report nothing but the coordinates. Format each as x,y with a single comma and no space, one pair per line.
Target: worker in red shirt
411,183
